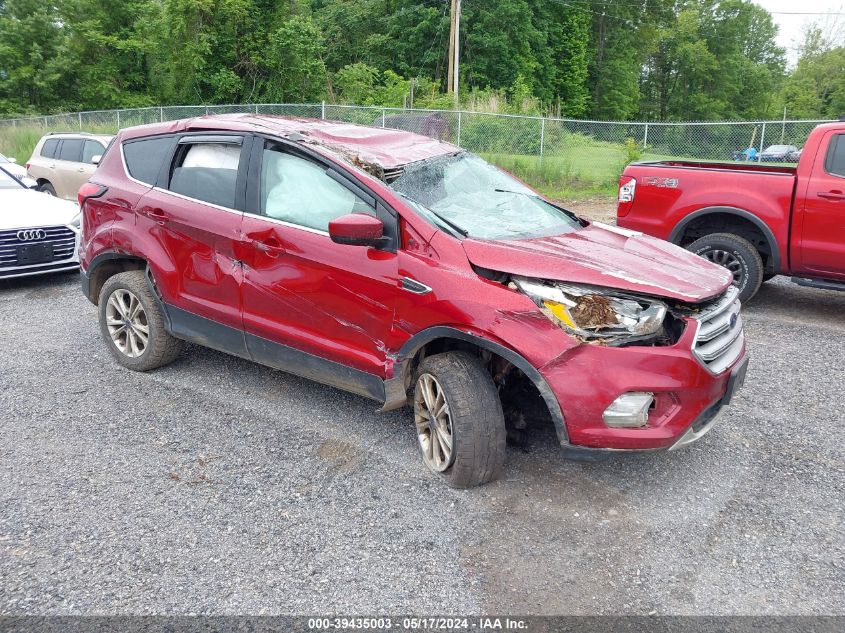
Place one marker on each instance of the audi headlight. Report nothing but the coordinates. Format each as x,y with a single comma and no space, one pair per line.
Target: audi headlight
76,222
595,313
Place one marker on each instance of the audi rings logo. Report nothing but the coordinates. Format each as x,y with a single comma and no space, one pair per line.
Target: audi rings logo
32,234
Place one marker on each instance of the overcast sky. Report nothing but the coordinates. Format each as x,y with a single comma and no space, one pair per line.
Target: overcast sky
791,26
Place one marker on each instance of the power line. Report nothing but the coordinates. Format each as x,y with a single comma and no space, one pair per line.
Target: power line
611,3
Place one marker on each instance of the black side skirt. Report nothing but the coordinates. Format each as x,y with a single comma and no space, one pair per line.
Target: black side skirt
196,329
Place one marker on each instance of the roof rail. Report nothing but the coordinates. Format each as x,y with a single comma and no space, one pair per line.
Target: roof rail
77,132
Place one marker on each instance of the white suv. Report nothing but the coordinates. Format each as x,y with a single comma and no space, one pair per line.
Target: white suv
62,163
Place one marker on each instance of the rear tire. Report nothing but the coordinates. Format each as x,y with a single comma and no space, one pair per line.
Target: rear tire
47,188
737,255
132,323
459,421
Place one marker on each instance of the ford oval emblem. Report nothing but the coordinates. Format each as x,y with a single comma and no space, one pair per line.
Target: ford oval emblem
734,318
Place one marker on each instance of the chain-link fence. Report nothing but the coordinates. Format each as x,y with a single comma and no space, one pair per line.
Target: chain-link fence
558,153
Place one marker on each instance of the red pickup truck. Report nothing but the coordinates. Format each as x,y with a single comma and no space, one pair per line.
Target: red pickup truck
756,220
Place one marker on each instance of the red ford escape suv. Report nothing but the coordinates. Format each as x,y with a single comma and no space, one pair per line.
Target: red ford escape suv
407,270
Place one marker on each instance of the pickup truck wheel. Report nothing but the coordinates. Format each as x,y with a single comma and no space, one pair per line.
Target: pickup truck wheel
132,323
459,421
736,254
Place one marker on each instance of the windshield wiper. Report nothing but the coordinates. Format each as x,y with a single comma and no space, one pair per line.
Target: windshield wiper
455,227
518,193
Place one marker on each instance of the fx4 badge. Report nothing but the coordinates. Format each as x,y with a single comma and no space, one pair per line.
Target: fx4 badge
654,181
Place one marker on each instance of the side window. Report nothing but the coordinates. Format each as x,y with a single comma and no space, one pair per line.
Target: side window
145,157
90,150
298,191
71,150
48,150
207,172
835,161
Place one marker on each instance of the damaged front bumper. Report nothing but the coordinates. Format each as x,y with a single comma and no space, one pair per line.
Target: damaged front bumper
688,397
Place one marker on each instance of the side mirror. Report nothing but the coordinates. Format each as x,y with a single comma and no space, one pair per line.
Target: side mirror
12,159
95,160
357,229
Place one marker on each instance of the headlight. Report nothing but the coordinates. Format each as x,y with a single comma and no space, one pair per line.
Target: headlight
76,222
595,313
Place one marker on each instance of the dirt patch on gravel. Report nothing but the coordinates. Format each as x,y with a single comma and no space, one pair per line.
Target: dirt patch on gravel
601,209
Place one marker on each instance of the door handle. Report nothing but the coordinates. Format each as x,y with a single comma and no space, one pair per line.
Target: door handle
156,214
271,247
831,195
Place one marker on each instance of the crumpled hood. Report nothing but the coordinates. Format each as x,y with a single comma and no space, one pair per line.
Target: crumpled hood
603,255
24,208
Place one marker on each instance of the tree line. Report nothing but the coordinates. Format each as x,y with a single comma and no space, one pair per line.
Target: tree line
604,59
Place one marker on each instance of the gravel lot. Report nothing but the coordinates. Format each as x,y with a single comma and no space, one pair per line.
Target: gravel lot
219,486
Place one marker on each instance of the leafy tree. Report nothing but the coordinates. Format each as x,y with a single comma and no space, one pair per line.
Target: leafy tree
815,88
33,68
107,47
357,83
499,42
295,62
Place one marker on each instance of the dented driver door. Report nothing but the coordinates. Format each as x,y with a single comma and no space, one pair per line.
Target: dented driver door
313,307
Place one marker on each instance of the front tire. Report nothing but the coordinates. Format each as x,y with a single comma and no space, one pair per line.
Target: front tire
132,323
736,254
459,421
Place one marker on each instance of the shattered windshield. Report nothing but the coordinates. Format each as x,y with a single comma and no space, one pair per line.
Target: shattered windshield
467,196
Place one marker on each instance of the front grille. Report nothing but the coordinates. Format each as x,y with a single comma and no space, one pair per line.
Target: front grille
61,238
720,338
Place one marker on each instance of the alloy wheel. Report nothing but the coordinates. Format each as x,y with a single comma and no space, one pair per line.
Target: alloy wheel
434,424
127,323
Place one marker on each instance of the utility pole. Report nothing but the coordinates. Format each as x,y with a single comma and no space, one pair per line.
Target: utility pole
454,48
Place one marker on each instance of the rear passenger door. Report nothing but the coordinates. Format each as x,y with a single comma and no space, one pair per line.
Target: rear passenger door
821,249
66,175
192,219
85,168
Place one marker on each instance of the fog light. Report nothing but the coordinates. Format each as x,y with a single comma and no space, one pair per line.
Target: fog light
630,410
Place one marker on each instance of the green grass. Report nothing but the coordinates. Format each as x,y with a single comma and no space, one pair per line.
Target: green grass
584,171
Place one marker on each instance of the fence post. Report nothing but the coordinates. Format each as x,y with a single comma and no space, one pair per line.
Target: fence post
459,129
118,119
762,137
323,110
542,137
382,117
79,114
645,137
161,114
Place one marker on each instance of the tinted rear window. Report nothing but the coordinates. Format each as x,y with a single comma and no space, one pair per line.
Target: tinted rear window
71,150
208,172
144,158
91,149
835,162
48,150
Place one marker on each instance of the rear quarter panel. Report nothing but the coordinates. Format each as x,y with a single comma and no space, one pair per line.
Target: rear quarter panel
109,221
667,194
